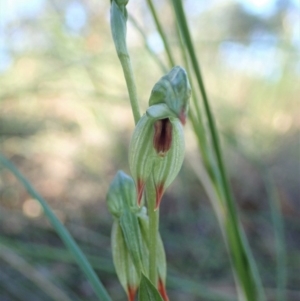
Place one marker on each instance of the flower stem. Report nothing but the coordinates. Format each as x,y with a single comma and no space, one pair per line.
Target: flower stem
118,22
130,82
153,230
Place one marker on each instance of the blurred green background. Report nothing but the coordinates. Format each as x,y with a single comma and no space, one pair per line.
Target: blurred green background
66,122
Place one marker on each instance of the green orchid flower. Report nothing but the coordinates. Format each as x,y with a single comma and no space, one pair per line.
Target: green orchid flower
174,90
156,149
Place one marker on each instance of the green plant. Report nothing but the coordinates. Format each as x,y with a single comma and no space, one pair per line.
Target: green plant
142,153
158,141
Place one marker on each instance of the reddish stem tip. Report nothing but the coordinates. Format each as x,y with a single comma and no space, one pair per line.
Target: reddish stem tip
162,290
131,291
159,193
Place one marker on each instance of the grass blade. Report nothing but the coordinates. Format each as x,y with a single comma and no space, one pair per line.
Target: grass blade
154,56
244,265
8,284
62,232
57,254
197,120
278,226
23,267
197,289
161,33
181,19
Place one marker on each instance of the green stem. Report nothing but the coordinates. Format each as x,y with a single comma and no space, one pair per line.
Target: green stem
130,82
161,33
153,230
118,26
118,22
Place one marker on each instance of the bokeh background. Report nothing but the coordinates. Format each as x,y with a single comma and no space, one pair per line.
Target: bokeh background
66,122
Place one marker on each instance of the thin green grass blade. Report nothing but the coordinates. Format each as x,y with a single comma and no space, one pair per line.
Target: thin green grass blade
174,280
181,19
198,123
53,253
197,289
253,266
35,276
161,33
62,232
8,284
238,249
156,58
278,226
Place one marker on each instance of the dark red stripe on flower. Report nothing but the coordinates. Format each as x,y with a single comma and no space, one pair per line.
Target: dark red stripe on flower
162,136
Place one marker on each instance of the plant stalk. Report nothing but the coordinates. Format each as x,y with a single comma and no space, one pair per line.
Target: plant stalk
130,82
118,21
153,230
118,26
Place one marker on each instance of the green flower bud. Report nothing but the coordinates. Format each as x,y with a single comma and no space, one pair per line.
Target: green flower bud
131,229
121,194
130,244
130,248
174,90
126,272
156,149
118,19
160,255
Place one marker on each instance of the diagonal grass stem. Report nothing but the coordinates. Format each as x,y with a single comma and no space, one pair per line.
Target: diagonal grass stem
244,265
28,271
156,58
61,231
161,33
278,226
